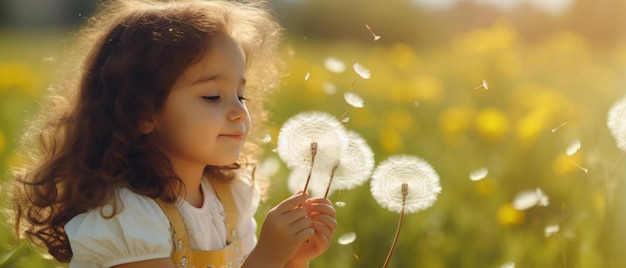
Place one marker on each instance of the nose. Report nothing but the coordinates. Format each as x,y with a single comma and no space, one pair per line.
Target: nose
238,111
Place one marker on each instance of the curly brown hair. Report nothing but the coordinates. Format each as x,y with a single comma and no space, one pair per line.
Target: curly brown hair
87,142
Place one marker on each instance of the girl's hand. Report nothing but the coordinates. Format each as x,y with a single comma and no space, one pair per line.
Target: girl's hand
322,213
285,229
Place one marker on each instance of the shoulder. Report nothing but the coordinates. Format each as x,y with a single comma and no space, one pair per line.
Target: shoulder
246,194
139,230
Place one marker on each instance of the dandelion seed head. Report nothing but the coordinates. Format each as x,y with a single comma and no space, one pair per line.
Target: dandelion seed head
346,239
355,165
573,148
269,167
334,65
530,198
616,122
478,174
297,134
361,70
391,174
353,99
317,185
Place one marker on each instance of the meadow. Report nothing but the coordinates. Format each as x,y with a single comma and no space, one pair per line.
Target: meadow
533,114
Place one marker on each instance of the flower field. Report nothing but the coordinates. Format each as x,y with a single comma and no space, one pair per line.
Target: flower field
516,130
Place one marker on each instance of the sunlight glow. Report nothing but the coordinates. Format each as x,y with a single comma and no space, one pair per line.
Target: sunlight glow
555,7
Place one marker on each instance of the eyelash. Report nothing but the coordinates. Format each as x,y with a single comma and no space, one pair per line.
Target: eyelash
217,98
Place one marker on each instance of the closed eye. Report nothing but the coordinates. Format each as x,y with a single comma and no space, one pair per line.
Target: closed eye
211,98
242,99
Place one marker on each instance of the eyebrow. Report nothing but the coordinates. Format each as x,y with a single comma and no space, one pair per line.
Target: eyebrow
208,78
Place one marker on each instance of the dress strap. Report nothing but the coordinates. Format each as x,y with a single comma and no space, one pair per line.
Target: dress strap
182,254
224,193
181,251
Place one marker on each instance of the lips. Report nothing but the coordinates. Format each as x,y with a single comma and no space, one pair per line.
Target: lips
233,135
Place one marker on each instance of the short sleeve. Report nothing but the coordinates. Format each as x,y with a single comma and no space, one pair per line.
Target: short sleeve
247,197
140,231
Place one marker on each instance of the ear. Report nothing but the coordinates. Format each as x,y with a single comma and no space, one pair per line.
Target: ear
145,126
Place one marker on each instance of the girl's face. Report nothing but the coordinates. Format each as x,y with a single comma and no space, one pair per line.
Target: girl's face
204,120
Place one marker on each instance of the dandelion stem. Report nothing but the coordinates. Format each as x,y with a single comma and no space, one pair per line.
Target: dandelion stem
405,192
313,154
330,180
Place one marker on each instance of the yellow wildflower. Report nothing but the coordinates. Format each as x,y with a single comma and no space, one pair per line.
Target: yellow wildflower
390,140
507,215
491,124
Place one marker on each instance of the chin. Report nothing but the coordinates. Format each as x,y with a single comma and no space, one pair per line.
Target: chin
224,161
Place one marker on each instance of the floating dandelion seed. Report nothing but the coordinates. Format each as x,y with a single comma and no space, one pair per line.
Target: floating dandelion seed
353,99
551,229
345,119
361,71
306,76
616,122
483,85
557,128
346,239
530,198
579,166
478,174
573,148
376,37
311,139
266,139
416,103
340,204
329,88
508,265
355,165
334,65
402,184
48,59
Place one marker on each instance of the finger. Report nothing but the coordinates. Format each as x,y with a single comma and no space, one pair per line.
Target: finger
302,229
294,215
321,239
319,200
322,208
291,202
301,192
326,229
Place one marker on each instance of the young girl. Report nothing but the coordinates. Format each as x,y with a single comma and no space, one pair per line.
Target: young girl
140,167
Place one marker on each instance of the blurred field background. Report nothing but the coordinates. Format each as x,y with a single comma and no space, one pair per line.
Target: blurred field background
553,69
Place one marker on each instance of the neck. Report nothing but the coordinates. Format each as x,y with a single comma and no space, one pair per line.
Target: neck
192,177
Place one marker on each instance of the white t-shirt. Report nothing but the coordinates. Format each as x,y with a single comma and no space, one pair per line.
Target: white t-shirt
141,230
